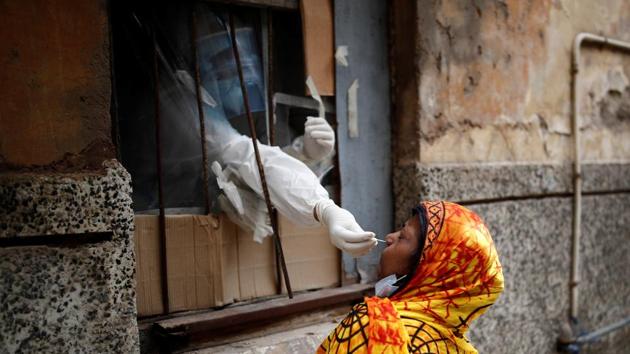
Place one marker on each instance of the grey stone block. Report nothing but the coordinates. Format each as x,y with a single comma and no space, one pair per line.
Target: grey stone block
490,181
533,242
601,177
533,238
477,182
37,204
67,299
605,269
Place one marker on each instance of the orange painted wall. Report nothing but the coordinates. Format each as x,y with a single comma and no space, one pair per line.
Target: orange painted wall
54,84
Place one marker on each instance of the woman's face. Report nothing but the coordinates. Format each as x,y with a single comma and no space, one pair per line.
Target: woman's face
401,246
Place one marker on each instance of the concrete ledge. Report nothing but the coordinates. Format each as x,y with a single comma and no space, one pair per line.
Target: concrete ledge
59,297
72,203
483,182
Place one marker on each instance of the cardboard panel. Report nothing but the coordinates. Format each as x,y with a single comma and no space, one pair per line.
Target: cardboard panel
211,262
180,262
207,270
256,267
147,249
318,31
201,260
313,262
227,239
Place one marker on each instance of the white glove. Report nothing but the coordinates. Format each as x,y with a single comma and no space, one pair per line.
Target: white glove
344,231
319,138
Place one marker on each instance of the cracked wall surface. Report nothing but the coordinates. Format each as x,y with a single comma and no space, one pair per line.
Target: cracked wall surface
494,80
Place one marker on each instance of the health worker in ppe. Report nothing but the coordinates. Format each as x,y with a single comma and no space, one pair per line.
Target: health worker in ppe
294,189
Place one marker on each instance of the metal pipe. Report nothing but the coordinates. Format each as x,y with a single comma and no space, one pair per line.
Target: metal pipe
573,344
577,165
158,153
592,336
202,125
261,169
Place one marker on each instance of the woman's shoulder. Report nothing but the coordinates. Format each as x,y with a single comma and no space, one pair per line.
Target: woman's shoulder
351,334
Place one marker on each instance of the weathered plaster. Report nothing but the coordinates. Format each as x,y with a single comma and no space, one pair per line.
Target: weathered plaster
404,76
494,80
56,83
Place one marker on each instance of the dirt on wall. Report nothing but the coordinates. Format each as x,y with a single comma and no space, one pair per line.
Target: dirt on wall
404,75
55,85
493,81
476,60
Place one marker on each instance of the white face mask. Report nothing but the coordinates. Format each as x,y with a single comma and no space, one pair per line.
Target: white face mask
385,287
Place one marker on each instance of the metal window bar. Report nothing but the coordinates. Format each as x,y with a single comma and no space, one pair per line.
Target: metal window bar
158,151
261,171
271,127
202,125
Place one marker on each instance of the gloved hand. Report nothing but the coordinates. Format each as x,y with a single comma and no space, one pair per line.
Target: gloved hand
344,231
319,138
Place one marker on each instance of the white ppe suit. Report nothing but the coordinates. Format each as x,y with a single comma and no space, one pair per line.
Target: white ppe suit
294,190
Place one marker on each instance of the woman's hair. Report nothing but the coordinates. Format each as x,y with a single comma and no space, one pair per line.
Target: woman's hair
420,212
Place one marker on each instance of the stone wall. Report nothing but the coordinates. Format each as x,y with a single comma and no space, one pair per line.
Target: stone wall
66,223
481,103
535,254
74,296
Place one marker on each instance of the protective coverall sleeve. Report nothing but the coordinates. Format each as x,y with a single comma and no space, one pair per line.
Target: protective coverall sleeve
294,189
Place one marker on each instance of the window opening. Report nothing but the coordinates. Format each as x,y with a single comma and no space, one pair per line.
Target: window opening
166,32
220,94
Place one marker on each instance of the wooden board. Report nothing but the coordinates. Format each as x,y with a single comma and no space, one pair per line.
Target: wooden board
318,32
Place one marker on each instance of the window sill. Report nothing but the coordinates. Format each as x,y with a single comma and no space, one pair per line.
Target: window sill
189,330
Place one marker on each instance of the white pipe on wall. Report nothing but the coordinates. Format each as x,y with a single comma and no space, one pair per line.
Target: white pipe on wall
577,166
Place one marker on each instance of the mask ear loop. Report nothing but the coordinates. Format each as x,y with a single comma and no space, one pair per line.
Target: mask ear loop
397,283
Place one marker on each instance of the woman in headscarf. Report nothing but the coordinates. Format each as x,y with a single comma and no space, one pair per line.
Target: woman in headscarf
439,272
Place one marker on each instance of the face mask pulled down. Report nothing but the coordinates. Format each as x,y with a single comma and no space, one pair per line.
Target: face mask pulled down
387,286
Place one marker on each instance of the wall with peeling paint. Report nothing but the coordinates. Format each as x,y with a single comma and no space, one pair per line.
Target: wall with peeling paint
481,112
494,80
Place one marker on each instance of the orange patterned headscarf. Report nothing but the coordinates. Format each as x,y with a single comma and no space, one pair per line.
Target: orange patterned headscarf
457,278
